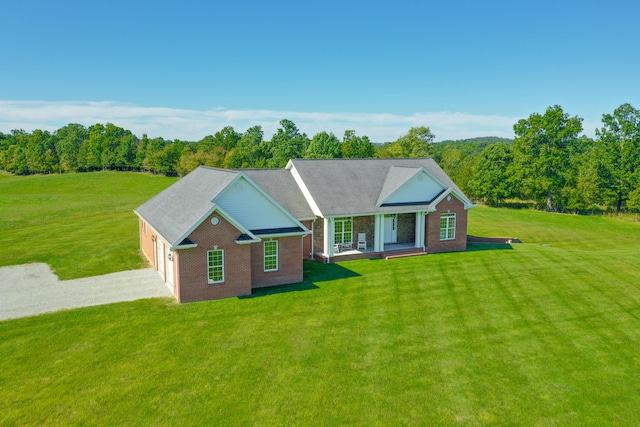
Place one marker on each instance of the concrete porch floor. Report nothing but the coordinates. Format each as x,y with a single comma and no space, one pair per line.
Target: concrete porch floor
389,250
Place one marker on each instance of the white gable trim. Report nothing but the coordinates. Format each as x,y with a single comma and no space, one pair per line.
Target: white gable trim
236,224
408,181
223,214
264,194
303,188
451,191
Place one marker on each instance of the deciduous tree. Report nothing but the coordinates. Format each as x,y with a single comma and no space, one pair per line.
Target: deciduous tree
619,139
324,146
492,174
542,150
356,147
287,143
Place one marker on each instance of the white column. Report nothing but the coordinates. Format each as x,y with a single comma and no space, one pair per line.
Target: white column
328,237
378,235
420,221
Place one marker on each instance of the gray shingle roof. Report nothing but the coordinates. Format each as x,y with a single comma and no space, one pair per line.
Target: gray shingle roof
280,185
338,186
177,209
354,186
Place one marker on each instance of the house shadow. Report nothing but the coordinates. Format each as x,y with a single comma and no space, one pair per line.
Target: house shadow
475,247
319,272
314,272
479,243
305,285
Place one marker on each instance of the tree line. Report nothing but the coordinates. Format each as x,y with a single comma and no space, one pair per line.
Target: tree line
548,163
76,148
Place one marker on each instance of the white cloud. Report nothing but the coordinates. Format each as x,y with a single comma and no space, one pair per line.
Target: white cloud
193,125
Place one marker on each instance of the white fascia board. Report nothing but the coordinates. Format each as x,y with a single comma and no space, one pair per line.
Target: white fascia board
197,223
229,218
303,188
459,195
247,242
299,233
467,203
177,248
450,191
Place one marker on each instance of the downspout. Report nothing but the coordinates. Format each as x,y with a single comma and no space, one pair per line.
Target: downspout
313,226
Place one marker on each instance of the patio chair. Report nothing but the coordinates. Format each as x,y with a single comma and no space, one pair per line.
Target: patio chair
362,241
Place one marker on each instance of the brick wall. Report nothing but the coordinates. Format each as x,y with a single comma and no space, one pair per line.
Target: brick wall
289,263
318,236
364,224
146,242
432,237
406,226
306,241
193,274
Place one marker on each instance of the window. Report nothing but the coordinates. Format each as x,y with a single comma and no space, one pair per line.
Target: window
271,255
215,264
448,226
342,230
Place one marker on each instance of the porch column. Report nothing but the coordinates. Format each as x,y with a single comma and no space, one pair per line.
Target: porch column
328,237
420,222
378,235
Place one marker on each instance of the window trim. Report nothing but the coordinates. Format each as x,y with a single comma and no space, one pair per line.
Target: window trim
211,267
273,256
448,226
343,220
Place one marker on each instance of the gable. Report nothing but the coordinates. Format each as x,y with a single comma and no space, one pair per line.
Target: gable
343,187
252,208
175,212
409,186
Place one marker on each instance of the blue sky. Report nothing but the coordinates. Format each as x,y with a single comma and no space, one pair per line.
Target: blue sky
186,69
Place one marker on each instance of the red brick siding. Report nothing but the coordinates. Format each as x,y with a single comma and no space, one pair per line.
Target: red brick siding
364,224
289,263
193,274
406,227
432,237
318,236
146,242
306,241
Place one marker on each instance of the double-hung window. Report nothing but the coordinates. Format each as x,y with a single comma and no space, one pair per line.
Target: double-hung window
343,230
448,226
270,255
215,265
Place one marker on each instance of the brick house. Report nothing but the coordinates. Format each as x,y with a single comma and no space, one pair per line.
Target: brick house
219,233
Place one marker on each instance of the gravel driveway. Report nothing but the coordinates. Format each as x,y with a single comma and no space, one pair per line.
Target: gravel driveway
31,289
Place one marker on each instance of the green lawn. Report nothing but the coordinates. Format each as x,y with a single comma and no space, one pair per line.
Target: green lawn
80,224
541,333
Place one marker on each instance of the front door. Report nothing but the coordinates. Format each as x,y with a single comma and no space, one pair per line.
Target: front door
390,229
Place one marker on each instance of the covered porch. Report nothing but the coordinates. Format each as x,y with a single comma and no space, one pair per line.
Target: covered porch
369,236
390,251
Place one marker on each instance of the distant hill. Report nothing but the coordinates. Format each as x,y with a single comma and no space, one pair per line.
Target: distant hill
479,140
468,146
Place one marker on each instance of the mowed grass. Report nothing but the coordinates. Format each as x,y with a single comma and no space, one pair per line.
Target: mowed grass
541,333
80,224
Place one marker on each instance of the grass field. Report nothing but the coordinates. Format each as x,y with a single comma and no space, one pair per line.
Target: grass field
80,224
541,333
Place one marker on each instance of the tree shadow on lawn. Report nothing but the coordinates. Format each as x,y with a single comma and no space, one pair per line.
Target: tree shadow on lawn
314,272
